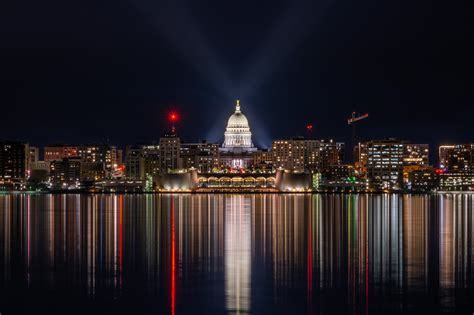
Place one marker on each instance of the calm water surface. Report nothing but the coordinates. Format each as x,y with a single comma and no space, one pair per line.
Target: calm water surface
236,254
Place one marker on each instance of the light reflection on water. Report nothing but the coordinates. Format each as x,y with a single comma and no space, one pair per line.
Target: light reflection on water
262,253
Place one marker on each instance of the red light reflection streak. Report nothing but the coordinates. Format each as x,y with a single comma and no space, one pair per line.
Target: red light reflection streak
120,238
173,260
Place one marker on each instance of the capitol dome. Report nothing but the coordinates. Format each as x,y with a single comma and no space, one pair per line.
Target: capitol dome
238,120
237,134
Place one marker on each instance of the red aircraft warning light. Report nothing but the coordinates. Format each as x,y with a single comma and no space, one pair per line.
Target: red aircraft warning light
173,117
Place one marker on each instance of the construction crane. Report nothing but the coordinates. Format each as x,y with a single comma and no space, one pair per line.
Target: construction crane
355,117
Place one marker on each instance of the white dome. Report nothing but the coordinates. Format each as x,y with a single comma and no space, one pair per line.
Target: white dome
238,120
237,134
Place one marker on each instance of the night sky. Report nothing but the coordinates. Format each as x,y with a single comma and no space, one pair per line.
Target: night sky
91,71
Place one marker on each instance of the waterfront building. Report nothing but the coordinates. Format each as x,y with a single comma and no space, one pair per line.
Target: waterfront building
66,172
415,154
92,171
443,153
360,158
134,162
99,153
237,149
57,152
14,160
456,181
203,156
263,160
169,149
90,153
385,163
142,160
341,173
423,179
331,154
151,159
298,154
289,154
457,158
312,155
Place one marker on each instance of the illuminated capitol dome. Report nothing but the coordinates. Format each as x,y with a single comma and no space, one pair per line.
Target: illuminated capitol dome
238,137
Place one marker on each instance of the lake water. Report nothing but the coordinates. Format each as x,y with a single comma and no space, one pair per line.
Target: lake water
236,254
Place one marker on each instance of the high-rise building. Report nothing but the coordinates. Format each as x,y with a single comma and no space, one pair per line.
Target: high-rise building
202,156
142,160
424,179
14,160
312,155
385,163
456,181
331,153
443,153
360,158
151,159
457,158
65,172
100,153
57,152
415,154
134,162
299,154
289,154
169,153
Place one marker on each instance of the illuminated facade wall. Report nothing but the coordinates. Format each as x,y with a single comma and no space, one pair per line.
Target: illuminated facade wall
443,153
169,153
67,171
289,154
104,154
460,158
299,154
59,152
134,162
14,160
202,156
416,154
385,163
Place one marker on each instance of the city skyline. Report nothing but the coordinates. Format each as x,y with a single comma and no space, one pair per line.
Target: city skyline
236,157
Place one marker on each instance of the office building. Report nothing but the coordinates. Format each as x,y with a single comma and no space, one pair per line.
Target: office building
14,160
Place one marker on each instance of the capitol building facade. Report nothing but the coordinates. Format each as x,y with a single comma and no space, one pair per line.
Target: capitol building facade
237,149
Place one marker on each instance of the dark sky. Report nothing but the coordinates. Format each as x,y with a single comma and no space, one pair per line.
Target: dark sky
86,71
